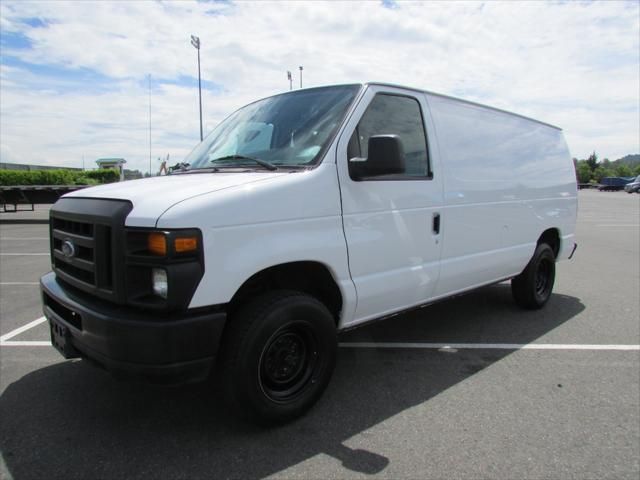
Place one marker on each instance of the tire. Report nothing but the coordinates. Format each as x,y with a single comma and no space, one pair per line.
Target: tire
278,355
532,288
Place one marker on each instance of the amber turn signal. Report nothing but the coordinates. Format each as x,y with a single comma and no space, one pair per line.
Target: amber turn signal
157,244
186,244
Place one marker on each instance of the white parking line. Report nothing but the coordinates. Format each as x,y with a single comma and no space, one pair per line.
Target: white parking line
18,283
21,329
448,347
23,254
488,346
618,225
428,346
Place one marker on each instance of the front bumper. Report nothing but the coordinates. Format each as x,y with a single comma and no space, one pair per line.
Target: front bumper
171,349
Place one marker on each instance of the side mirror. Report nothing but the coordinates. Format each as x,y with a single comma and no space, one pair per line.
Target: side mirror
386,157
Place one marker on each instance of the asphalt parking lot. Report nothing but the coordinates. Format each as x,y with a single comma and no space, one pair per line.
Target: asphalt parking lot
469,401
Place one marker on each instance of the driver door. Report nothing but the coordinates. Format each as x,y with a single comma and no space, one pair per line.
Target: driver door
391,222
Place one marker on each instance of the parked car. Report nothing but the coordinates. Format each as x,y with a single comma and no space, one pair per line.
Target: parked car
633,186
613,184
301,215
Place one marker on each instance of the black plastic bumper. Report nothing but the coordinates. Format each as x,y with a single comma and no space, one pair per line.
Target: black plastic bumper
161,349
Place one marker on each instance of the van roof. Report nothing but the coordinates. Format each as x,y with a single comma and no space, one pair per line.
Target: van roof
383,84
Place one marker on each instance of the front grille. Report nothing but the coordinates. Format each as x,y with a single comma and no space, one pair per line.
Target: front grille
78,228
78,273
82,264
85,250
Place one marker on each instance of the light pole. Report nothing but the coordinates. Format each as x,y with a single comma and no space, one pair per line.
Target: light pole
195,41
149,78
290,80
300,67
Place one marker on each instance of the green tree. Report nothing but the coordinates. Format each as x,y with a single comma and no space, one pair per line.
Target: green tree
583,172
592,161
636,170
600,172
623,170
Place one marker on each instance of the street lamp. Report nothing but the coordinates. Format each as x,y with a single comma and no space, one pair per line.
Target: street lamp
290,80
300,67
195,41
149,124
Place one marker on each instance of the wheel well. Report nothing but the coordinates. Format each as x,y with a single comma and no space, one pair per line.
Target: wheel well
552,238
312,278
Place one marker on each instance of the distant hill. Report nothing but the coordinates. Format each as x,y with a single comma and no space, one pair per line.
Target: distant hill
630,160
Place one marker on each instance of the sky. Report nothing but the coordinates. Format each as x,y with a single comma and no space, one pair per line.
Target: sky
75,76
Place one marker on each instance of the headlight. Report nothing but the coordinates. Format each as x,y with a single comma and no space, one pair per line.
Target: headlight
185,244
157,244
159,281
180,243
163,267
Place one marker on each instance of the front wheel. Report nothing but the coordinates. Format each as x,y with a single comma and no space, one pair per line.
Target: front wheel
532,288
278,356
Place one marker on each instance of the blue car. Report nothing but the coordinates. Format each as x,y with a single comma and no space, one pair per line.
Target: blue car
633,186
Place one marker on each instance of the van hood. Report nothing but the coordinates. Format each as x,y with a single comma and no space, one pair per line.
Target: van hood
153,196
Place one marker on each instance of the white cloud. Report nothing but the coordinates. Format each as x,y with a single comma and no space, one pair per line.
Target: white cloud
573,64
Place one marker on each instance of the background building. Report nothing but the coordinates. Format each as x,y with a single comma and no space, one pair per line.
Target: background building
117,163
24,166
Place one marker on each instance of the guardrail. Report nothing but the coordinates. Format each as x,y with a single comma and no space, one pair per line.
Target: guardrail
28,195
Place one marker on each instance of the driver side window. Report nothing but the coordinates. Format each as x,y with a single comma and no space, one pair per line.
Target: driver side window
394,115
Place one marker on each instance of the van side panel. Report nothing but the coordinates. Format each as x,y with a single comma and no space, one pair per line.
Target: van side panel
506,180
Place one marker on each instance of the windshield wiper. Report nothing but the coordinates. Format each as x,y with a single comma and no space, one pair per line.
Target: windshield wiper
263,163
195,170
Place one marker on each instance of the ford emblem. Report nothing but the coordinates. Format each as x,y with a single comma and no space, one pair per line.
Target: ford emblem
68,249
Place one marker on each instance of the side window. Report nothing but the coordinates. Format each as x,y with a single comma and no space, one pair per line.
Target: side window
394,115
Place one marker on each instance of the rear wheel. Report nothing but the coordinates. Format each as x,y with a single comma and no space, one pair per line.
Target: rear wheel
532,288
278,356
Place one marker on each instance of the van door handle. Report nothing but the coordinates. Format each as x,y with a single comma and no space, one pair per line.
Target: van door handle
436,223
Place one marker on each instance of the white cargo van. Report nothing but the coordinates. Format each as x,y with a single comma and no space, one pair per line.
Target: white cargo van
301,215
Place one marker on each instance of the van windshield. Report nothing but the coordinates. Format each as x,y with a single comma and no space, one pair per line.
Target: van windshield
287,130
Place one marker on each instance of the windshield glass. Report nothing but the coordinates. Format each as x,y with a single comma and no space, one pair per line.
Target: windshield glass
286,130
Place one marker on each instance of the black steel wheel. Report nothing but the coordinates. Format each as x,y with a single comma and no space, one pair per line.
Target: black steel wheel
288,362
277,357
532,288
